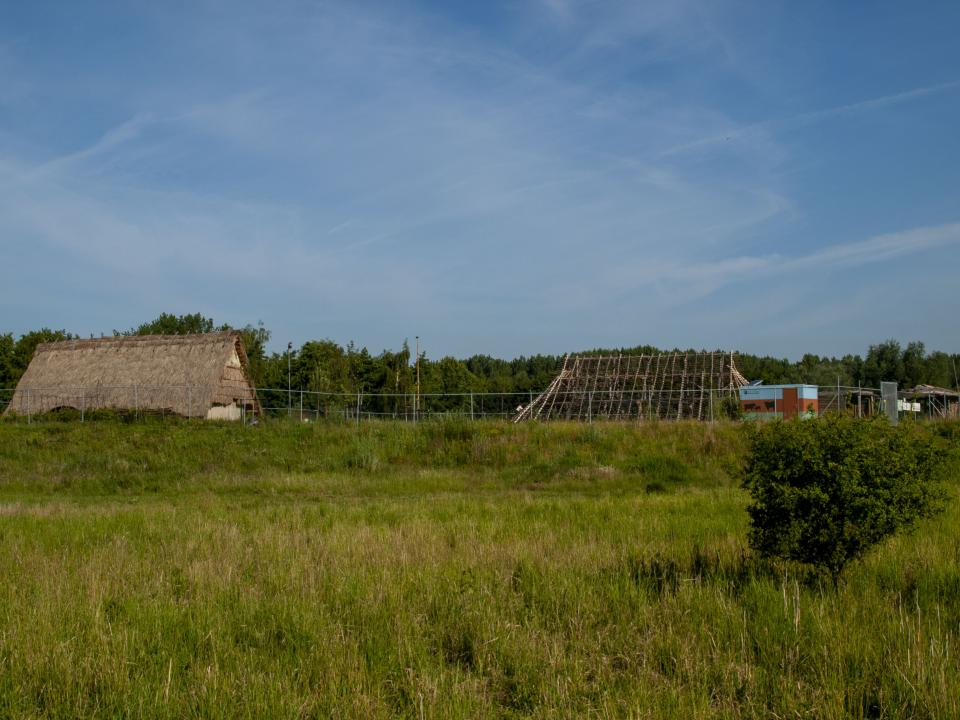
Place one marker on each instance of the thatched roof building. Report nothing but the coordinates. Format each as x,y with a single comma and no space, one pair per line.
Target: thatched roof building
203,375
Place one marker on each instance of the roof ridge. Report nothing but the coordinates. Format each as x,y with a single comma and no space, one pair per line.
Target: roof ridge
191,339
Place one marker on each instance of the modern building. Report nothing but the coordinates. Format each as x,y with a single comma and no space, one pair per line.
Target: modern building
763,402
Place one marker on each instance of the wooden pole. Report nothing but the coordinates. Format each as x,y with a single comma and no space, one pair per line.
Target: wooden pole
416,395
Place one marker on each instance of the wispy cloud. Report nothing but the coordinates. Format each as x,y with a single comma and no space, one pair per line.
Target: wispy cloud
110,141
339,226
879,248
696,279
402,166
805,118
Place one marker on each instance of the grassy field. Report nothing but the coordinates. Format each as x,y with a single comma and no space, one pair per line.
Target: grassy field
453,569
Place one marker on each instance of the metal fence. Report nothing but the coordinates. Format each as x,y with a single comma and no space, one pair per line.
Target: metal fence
311,406
305,405
314,405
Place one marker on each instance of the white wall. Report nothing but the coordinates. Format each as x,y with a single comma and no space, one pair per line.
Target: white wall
229,412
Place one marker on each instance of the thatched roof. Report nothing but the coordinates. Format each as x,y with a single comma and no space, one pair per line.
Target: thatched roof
185,374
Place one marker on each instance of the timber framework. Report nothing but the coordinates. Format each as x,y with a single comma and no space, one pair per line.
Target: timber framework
663,386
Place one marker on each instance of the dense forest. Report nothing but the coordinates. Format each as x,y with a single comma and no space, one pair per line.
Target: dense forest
325,366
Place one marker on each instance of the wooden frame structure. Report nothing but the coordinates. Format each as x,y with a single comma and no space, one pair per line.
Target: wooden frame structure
940,402
664,386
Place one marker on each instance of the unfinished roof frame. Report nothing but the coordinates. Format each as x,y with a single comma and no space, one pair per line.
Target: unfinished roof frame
661,386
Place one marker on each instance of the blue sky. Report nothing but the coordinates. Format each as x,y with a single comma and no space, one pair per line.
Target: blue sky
501,177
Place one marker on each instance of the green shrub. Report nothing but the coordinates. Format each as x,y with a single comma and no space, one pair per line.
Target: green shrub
729,408
825,491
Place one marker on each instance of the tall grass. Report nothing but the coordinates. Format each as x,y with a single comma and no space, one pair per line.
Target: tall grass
439,570
157,456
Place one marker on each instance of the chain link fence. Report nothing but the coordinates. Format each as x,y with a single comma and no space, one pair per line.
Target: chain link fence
301,405
312,406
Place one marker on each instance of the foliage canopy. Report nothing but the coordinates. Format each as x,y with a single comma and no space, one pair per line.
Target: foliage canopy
825,492
323,365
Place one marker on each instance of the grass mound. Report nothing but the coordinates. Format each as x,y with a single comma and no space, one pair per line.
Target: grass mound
465,570
164,455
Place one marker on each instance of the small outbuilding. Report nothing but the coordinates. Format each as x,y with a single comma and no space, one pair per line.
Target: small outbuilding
205,376
764,402
934,401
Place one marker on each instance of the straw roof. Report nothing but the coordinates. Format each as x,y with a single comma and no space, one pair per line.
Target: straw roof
184,374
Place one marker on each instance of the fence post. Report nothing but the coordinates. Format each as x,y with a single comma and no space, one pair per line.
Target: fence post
711,404
301,404
589,407
358,408
471,404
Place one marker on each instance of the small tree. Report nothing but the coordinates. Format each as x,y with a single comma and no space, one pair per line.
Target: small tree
826,491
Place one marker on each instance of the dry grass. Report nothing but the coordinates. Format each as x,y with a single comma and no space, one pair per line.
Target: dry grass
444,571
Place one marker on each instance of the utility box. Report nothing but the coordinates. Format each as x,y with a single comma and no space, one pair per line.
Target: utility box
888,393
767,402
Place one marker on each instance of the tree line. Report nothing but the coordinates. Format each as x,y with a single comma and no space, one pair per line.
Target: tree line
328,367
